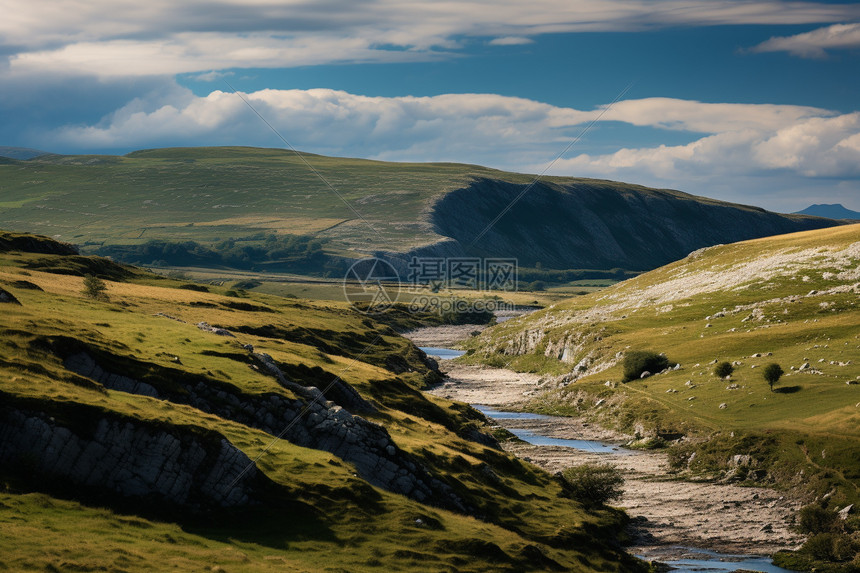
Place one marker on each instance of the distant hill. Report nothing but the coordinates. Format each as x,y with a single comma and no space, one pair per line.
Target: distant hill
836,211
237,196
20,152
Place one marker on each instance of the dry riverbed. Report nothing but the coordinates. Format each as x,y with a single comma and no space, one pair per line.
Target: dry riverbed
667,513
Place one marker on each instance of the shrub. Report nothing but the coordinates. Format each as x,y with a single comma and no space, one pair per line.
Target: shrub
820,546
592,484
638,361
772,373
815,519
194,287
94,288
724,369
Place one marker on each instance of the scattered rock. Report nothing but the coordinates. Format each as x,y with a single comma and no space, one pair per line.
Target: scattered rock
843,513
804,366
645,374
163,315
723,406
206,327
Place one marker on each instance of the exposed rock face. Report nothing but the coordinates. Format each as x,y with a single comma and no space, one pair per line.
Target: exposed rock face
129,458
596,224
311,421
6,296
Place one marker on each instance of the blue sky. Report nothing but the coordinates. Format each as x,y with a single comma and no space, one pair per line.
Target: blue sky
750,101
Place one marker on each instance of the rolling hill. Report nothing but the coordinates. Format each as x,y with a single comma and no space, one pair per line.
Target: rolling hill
791,300
174,425
237,198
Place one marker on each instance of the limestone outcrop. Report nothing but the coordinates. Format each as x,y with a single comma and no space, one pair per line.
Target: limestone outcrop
310,421
126,457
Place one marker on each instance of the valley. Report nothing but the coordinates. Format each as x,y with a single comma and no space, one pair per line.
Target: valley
193,401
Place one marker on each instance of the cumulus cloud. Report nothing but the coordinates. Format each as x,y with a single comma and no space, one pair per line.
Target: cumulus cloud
815,44
121,37
501,131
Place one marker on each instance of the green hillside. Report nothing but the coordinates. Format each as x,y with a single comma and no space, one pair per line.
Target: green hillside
266,209
133,438
792,300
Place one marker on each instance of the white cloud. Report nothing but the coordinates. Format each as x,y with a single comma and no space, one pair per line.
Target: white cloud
511,41
125,37
815,44
196,52
211,76
496,130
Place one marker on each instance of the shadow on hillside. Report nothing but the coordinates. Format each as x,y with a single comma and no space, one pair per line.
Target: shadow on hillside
272,526
787,389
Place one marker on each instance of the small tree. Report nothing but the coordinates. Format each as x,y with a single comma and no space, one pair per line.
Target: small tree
94,288
724,369
772,373
592,485
638,361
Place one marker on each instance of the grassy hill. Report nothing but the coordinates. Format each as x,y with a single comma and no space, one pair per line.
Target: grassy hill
791,299
265,209
106,403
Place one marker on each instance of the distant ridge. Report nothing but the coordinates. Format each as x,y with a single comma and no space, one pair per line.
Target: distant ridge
836,211
20,152
208,194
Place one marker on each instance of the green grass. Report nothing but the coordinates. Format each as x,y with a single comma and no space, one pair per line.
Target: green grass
659,312
209,194
337,521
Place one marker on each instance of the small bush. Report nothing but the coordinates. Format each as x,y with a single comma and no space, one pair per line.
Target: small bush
638,361
194,287
815,519
724,369
820,546
592,484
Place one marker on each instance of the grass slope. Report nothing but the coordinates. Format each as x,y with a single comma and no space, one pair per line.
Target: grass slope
791,299
210,195
335,520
